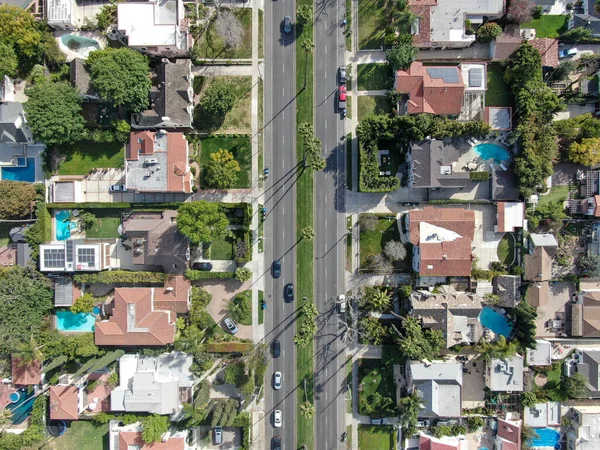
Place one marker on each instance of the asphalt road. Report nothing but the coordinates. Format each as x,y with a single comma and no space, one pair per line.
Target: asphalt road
280,223
330,216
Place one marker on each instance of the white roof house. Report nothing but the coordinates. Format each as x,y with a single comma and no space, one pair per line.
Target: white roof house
59,14
541,355
505,375
439,384
542,415
510,215
584,433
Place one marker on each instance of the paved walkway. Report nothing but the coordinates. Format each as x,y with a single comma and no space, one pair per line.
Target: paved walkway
227,70
372,92
368,56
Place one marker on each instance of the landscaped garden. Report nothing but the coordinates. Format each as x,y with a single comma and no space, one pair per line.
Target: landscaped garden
506,249
234,115
557,193
239,147
548,26
372,21
498,93
376,437
209,43
106,224
373,104
377,390
374,77
85,156
377,230
82,434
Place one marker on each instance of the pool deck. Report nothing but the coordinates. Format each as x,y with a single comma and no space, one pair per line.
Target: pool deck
5,391
471,156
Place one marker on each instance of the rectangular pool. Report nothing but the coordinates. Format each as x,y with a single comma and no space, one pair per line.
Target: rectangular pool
24,173
75,323
63,225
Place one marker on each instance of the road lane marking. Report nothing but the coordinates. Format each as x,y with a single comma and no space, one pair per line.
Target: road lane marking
283,67
283,91
283,138
283,115
325,223
282,210
325,75
325,271
325,418
325,49
325,198
325,123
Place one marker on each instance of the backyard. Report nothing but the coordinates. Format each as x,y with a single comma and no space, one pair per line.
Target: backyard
377,390
210,45
374,77
85,156
106,224
371,437
560,192
498,92
548,26
552,388
82,434
240,148
506,249
371,23
373,104
372,242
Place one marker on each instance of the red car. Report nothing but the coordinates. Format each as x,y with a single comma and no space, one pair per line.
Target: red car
342,93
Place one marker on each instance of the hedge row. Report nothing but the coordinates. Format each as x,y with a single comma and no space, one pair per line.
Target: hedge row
195,275
122,277
227,347
243,420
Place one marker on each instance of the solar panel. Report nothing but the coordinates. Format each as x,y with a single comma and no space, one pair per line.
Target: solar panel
448,74
475,77
54,258
86,256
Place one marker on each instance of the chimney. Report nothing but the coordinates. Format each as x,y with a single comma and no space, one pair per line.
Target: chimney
444,256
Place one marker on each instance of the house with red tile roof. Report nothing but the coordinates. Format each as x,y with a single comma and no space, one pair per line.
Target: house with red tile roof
157,162
427,442
442,240
26,373
144,316
431,89
126,437
548,49
508,436
66,402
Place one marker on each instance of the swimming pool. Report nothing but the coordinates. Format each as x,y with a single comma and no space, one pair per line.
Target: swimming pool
22,408
495,321
548,437
492,151
75,323
79,44
24,171
64,225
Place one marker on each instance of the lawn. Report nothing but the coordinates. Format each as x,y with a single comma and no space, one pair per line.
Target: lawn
552,387
238,146
372,21
83,434
209,45
498,93
506,249
556,193
374,77
221,249
85,156
374,377
244,319
106,224
548,26
373,104
238,120
349,107
372,242
374,437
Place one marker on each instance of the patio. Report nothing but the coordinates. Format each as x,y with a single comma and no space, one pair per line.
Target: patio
558,307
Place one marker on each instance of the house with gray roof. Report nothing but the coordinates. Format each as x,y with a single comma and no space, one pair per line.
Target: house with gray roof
588,366
171,99
431,165
13,126
153,384
586,16
508,290
505,374
81,80
439,385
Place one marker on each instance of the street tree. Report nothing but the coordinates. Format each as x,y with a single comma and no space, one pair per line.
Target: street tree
243,274
154,427
54,113
394,251
308,45
201,221
317,162
221,171
520,11
410,406
488,31
229,28
308,233
307,409
9,63
121,76
368,222
304,13
17,199
306,130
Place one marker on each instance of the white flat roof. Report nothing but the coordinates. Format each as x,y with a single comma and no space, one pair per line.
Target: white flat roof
514,215
541,355
137,20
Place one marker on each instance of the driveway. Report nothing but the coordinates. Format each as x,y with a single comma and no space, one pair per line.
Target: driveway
485,241
202,438
96,185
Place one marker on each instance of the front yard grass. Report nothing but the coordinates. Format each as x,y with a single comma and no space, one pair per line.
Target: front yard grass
560,192
506,249
548,26
372,21
374,77
372,242
238,146
83,434
221,249
238,120
106,224
374,437
373,104
209,44
498,93
374,377
85,156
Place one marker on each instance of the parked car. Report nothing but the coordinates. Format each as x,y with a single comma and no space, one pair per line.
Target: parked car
376,421
117,188
342,75
342,304
276,268
276,443
567,53
342,101
277,379
230,324
205,266
276,349
277,418
218,435
422,423
288,293
287,24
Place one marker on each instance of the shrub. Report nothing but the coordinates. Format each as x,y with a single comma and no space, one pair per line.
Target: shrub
240,308
243,274
227,347
84,304
479,176
243,420
195,275
122,277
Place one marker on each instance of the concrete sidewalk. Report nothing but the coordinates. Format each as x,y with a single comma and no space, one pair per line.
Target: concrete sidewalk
226,70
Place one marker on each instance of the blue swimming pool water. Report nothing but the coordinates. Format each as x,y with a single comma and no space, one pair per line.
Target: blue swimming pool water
21,409
79,44
75,323
495,321
492,151
25,173
63,225
548,437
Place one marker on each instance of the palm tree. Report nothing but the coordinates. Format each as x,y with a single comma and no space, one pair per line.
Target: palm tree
190,340
307,409
308,233
308,46
378,299
317,162
499,349
410,406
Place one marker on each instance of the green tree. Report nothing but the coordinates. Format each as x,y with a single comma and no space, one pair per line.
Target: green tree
243,274
524,67
221,172
372,331
410,406
29,352
488,31
317,162
475,422
307,409
88,219
54,113
84,304
528,399
121,76
107,15
587,152
154,427
201,221
588,265
240,308
401,56
216,101
376,299
575,386
525,328
307,45
19,29
577,34
499,349
520,11
417,343
235,374
304,14
9,63
308,233
563,71
191,340
17,199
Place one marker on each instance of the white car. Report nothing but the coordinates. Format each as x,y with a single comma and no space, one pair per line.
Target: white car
342,304
118,188
277,418
277,379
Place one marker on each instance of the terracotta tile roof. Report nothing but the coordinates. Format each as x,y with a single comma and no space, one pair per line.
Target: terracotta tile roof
538,265
430,95
586,317
174,296
597,205
431,443
131,439
64,402
548,49
26,374
510,431
422,2
135,322
423,12
461,221
446,258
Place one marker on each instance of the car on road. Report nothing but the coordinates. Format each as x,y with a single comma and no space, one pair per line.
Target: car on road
218,435
277,379
342,304
287,24
342,75
230,324
276,268
288,293
342,101
276,349
117,188
276,443
204,266
277,418
567,53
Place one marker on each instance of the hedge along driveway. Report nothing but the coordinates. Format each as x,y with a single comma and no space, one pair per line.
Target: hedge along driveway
239,146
